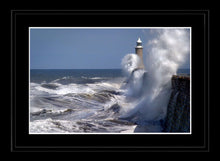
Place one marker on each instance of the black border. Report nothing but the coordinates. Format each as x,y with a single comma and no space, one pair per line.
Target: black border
197,19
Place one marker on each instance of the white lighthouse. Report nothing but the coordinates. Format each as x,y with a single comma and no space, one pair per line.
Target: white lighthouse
139,52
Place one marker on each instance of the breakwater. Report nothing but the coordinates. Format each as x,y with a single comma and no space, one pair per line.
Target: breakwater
178,109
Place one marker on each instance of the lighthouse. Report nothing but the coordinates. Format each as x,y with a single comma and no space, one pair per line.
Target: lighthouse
139,52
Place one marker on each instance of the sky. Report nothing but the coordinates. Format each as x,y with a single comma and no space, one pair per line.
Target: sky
85,48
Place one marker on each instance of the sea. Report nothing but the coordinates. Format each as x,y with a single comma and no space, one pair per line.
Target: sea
81,101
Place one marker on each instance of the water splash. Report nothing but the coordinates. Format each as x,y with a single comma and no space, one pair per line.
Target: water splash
129,63
166,52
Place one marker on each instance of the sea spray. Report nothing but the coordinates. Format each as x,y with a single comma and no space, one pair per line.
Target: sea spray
166,52
134,83
129,63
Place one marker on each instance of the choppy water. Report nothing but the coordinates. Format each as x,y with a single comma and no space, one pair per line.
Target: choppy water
69,101
80,101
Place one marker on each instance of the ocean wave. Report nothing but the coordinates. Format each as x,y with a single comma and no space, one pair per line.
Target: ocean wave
79,80
51,126
64,89
80,126
50,85
98,78
87,107
59,89
42,113
105,85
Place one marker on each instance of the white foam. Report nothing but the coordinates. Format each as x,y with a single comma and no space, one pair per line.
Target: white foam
63,78
104,86
76,88
35,90
34,109
130,129
51,126
65,89
97,78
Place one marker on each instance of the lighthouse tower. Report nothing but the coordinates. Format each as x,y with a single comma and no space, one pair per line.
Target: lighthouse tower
139,52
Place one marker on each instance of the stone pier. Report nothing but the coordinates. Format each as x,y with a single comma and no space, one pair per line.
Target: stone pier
178,110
